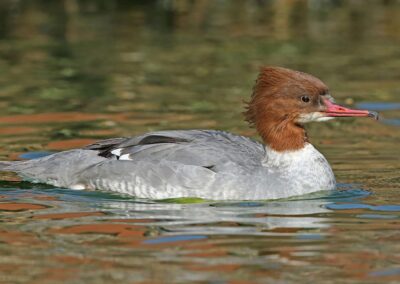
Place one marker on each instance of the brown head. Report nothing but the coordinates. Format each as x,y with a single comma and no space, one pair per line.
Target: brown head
283,100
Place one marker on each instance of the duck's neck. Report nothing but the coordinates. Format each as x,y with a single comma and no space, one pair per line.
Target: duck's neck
283,136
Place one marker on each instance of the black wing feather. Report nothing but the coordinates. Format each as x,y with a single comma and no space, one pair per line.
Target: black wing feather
105,147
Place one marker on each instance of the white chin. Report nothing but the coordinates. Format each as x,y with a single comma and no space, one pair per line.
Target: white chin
313,116
324,118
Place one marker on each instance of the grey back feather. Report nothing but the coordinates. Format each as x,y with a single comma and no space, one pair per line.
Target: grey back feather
174,158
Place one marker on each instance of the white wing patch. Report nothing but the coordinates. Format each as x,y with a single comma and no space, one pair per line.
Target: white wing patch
125,157
116,152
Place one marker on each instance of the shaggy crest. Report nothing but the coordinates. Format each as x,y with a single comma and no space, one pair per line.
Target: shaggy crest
273,108
273,81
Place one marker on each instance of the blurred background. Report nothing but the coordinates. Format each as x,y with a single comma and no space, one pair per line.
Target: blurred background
181,63
75,71
184,55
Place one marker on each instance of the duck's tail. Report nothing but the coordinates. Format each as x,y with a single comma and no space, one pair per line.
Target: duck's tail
4,165
59,169
8,165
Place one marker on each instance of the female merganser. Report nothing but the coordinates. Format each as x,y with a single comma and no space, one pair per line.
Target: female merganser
211,164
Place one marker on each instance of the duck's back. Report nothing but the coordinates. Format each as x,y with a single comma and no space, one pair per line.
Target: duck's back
192,163
206,148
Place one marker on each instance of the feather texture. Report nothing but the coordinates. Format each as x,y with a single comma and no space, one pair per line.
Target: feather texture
194,163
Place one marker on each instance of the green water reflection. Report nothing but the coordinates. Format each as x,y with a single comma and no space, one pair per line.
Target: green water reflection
75,71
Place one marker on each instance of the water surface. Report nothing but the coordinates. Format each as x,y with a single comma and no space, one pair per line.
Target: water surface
74,72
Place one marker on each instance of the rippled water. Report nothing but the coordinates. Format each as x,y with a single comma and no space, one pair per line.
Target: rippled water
74,72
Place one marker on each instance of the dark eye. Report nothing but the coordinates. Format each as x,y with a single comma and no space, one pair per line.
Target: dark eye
305,99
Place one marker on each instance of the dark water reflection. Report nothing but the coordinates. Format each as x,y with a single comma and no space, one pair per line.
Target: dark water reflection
76,71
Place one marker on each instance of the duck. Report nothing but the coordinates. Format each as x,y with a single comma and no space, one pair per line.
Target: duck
211,164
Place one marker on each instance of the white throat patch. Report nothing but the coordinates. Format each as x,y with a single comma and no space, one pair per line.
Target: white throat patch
313,116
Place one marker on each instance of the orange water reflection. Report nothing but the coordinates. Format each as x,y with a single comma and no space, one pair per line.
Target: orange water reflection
69,144
118,230
5,206
69,215
58,117
18,238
